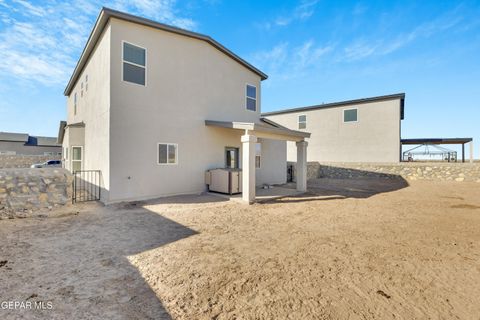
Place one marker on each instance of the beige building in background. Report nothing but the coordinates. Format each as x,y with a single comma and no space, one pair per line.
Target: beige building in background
152,107
363,130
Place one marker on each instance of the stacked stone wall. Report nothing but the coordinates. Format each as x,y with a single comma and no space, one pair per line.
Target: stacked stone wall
23,161
435,171
24,192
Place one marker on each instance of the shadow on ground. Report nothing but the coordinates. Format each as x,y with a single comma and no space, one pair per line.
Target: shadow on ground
80,263
324,189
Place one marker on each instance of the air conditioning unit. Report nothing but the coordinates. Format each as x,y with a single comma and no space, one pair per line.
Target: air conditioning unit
224,180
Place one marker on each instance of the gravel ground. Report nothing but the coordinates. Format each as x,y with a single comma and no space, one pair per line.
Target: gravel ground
349,249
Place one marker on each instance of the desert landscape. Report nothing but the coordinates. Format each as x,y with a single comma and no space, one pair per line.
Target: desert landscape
349,249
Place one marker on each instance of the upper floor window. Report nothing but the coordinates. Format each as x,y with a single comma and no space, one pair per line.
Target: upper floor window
134,64
86,83
81,89
350,115
251,95
75,103
302,122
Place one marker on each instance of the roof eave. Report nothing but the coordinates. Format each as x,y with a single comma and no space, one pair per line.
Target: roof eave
395,96
102,21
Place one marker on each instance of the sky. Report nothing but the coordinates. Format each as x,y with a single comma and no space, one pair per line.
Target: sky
313,51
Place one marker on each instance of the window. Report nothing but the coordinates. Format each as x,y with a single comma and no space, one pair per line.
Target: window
350,115
251,98
231,157
75,103
81,90
258,155
167,153
302,122
76,159
86,83
134,64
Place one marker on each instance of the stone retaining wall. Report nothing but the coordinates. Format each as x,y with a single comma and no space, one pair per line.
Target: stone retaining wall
23,161
23,192
437,171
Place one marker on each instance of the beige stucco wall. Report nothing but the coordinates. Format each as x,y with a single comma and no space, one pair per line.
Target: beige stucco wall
93,108
188,82
374,138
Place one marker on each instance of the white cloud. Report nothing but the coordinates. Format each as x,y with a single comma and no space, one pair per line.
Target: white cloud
41,43
361,48
31,9
301,12
285,62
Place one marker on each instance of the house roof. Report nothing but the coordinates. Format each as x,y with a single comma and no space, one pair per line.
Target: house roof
43,141
106,14
14,137
29,140
400,96
269,127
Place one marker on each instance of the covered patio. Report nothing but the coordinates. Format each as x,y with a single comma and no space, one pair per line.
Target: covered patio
266,130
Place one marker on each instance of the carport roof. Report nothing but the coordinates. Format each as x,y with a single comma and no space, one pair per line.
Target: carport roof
267,127
437,141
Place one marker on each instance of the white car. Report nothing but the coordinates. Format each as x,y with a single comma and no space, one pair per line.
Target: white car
47,164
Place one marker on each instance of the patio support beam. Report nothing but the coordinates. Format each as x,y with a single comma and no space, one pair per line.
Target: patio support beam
302,166
471,151
248,167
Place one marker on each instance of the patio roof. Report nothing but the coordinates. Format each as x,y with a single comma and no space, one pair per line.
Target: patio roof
268,130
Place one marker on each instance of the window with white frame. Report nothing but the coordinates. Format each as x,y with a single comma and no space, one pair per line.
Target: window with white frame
81,90
302,121
251,98
167,153
134,64
86,83
350,115
258,155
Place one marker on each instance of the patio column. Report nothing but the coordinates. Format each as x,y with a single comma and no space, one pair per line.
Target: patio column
471,151
248,167
302,166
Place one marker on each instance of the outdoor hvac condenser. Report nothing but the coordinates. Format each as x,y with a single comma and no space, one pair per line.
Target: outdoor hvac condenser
224,180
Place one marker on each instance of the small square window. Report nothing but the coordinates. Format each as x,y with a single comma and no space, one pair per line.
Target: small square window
350,115
167,153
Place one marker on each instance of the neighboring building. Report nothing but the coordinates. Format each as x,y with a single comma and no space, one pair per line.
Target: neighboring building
363,130
23,144
153,107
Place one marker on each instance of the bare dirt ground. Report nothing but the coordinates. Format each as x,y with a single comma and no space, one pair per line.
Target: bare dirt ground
363,249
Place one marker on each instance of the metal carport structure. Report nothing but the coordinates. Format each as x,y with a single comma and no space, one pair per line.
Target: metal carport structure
439,141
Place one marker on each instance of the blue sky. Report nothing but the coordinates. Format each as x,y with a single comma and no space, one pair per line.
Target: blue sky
313,51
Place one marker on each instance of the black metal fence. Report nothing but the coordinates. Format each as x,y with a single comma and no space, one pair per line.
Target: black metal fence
86,185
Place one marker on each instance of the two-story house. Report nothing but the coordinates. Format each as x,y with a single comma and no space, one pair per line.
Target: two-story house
153,107
361,130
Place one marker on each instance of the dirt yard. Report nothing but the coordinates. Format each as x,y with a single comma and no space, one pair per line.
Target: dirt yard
370,249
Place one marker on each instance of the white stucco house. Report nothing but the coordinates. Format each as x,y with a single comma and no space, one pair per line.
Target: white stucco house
153,107
361,130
